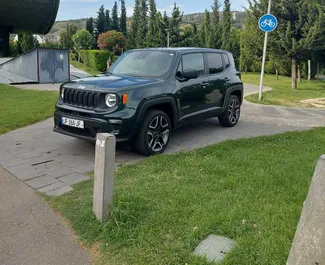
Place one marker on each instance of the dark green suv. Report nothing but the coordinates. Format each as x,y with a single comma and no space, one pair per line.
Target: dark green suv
148,93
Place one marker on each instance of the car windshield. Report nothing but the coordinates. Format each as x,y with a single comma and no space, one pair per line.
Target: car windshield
143,63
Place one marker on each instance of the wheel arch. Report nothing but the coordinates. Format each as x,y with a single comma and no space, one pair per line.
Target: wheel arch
166,104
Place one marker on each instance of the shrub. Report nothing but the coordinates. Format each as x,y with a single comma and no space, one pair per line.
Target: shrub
112,41
83,39
97,59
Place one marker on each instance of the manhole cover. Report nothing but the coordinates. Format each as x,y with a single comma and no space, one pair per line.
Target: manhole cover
214,248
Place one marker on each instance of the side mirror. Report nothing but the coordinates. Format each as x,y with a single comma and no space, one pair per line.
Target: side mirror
190,74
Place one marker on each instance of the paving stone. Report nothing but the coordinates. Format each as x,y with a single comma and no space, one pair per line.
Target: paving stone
214,248
59,191
51,187
271,111
25,171
60,172
29,155
73,178
40,182
13,162
298,112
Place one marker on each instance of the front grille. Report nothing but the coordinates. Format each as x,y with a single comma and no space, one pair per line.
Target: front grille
81,98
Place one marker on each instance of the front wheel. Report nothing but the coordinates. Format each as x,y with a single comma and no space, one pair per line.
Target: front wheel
154,134
232,114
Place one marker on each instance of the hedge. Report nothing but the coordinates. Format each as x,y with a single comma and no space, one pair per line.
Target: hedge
97,59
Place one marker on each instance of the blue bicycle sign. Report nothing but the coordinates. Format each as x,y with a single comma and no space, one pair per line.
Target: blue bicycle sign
268,23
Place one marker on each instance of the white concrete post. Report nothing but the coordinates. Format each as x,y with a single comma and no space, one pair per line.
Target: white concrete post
308,247
104,175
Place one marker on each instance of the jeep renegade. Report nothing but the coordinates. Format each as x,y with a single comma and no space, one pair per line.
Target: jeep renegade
148,93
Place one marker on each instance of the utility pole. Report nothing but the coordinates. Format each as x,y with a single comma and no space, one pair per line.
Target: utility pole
168,32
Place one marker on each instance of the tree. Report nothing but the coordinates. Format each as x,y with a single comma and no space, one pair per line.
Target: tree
101,21
108,24
143,25
174,26
207,30
135,23
251,42
66,36
90,25
82,39
26,42
123,18
153,29
216,27
115,22
226,25
301,30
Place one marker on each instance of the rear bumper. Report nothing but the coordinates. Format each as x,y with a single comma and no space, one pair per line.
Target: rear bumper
118,127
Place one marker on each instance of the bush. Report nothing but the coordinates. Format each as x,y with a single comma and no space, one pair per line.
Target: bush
111,41
97,59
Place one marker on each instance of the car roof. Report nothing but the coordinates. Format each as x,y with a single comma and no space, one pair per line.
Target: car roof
182,50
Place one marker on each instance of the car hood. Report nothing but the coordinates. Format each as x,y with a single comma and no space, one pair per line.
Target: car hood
110,83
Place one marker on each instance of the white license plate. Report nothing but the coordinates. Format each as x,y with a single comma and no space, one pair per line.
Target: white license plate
73,123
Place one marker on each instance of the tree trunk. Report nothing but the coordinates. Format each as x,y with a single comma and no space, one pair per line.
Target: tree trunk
277,74
318,70
299,73
309,70
246,70
294,73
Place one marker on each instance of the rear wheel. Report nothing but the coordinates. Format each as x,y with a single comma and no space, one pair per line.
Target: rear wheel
232,114
154,134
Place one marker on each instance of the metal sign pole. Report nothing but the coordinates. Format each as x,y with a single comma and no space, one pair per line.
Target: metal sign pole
264,57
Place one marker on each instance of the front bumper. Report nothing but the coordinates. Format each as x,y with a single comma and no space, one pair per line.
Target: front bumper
116,126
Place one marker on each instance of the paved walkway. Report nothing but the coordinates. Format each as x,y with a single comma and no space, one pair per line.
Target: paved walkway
51,163
31,233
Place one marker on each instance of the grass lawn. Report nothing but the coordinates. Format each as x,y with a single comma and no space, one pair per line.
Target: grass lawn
251,190
282,93
85,68
20,108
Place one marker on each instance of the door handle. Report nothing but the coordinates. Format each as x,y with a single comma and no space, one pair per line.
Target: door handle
204,84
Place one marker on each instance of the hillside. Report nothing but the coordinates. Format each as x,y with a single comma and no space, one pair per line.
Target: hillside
197,18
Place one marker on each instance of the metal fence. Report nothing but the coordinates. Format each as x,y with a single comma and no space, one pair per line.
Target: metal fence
42,65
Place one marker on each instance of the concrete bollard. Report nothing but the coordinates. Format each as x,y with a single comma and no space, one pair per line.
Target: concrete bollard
308,247
104,175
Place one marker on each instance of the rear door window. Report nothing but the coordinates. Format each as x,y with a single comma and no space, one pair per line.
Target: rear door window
215,63
194,61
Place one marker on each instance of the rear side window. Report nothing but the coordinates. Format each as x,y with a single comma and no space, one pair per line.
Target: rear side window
215,63
226,60
194,61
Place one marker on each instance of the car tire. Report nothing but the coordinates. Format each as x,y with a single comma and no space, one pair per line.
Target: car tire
231,115
154,133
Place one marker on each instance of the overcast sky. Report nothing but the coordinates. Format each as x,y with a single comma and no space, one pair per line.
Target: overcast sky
73,9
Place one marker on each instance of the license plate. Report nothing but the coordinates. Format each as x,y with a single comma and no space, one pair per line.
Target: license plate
73,123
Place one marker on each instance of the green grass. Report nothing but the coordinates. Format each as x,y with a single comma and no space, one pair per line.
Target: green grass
20,108
251,190
282,93
85,68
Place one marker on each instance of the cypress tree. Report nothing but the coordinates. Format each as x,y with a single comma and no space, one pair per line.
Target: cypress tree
90,25
123,18
143,25
115,22
101,21
135,23
226,25
108,23
152,25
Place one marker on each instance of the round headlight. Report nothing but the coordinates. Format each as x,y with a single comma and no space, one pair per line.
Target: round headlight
111,100
62,92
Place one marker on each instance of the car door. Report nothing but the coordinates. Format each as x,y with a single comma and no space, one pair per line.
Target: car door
190,94
217,79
